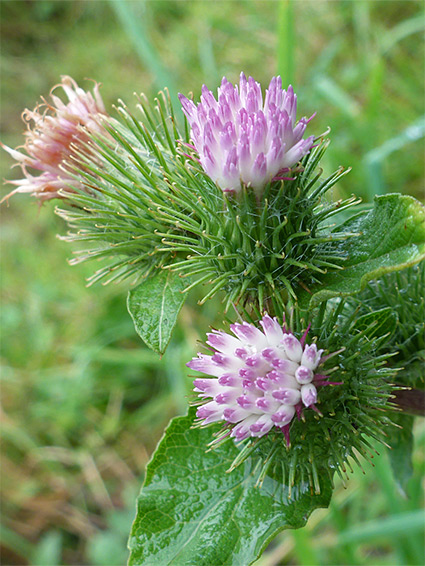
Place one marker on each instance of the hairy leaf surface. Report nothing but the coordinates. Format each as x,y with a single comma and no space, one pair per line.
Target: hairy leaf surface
391,237
191,511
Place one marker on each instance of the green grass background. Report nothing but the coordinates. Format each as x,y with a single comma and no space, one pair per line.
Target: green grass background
83,402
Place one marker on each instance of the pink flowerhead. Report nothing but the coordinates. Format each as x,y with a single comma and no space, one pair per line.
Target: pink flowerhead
240,139
55,126
259,382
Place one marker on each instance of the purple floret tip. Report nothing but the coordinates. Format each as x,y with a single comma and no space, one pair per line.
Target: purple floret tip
250,140
263,379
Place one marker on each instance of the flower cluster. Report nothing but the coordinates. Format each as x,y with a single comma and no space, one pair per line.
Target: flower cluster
262,378
56,127
240,139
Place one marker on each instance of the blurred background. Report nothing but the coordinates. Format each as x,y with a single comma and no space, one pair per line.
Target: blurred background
83,401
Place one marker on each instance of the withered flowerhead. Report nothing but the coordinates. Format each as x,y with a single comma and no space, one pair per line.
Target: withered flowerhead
56,127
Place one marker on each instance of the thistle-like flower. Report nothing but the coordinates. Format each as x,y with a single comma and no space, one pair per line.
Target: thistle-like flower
240,139
263,378
56,126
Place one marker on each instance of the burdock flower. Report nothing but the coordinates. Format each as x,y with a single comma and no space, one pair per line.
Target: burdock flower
53,127
240,139
262,378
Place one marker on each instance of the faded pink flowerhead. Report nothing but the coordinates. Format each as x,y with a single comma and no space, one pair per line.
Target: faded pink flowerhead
242,140
262,378
52,127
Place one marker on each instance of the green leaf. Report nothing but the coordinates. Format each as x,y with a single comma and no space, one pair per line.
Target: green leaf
154,306
191,511
391,237
401,442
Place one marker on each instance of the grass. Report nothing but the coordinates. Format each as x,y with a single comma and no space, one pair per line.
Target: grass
84,403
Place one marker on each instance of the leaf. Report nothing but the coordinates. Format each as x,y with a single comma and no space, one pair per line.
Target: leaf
154,306
391,237
401,442
191,511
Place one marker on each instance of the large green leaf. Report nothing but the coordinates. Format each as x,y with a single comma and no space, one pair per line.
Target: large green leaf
391,237
154,306
191,511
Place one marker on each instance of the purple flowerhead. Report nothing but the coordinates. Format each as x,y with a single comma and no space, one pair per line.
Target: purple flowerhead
264,388
243,140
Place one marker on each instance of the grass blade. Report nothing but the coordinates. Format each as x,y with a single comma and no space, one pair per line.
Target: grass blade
286,41
143,47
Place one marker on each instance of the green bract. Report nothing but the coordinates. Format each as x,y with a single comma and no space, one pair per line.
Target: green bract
147,205
351,410
402,295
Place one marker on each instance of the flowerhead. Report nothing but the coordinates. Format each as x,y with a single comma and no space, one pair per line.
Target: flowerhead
242,140
262,378
53,127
